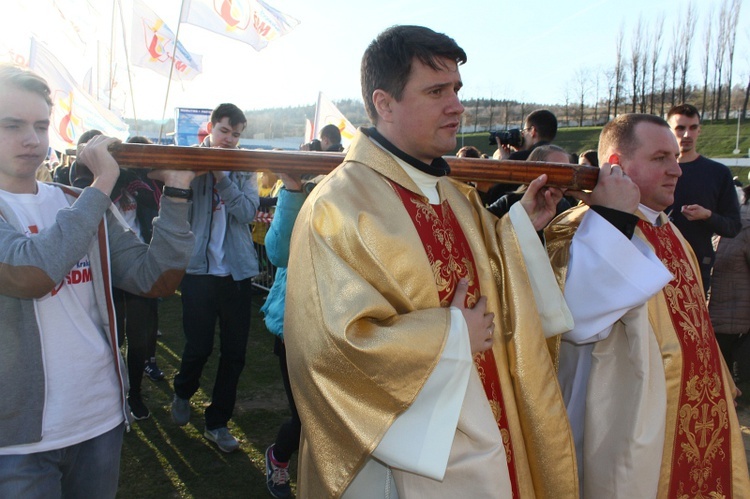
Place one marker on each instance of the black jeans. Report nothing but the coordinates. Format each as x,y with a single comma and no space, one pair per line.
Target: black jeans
287,440
137,320
206,298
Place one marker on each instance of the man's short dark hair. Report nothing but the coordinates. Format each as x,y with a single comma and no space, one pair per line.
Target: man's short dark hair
620,133
23,79
469,152
541,153
386,64
332,133
235,114
684,110
592,156
88,135
139,139
545,123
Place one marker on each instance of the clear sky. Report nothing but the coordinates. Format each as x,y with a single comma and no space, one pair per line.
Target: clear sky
528,51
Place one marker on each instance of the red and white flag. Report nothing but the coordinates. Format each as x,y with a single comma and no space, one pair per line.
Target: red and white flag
251,21
74,110
326,113
152,46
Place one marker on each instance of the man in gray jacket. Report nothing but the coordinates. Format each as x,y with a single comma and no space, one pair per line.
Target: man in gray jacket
63,407
217,283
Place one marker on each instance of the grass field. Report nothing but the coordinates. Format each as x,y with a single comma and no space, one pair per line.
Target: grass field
162,460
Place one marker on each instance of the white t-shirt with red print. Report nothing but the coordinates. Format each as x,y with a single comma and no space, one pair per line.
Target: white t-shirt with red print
82,395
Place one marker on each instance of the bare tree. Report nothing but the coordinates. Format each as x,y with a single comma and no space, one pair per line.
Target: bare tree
644,75
583,83
492,112
636,54
706,58
663,93
719,53
597,83
686,38
656,46
674,59
476,114
731,38
619,69
610,76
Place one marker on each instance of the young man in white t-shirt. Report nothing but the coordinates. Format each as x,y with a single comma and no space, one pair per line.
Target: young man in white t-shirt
63,408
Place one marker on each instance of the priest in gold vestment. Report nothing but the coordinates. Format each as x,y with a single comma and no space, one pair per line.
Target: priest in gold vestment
649,396
415,320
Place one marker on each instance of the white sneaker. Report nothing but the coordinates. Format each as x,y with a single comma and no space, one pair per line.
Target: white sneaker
222,438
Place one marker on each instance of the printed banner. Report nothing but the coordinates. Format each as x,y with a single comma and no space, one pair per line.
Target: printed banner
74,110
250,21
191,125
152,46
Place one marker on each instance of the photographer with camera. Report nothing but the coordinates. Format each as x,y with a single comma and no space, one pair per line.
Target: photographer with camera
539,128
330,141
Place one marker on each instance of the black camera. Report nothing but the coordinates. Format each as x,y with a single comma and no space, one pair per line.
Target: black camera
313,145
510,137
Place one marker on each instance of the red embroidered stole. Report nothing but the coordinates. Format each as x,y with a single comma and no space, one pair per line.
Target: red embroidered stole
702,455
451,259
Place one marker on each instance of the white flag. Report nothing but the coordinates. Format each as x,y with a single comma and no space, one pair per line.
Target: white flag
326,113
152,46
309,135
250,21
74,110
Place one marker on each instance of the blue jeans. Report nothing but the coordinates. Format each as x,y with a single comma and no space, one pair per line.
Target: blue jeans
85,470
206,299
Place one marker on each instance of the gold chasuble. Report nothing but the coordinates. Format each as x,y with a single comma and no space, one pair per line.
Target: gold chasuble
367,321
451,259
703,454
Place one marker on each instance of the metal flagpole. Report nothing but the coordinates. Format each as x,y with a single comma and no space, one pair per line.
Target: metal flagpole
127,65
171,70
111,53
317,113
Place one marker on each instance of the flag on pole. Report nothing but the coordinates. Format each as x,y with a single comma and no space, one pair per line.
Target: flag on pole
250,21
327,113
152,46
309,135
73,110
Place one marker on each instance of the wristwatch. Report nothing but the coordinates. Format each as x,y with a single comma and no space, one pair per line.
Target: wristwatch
176,192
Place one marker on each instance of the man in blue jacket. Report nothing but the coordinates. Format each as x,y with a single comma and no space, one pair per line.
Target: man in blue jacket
217,282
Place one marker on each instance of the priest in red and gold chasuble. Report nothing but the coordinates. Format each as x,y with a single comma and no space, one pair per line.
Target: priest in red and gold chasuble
450,258
649,397
360,361
701,455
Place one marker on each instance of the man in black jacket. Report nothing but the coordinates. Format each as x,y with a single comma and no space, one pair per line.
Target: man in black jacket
705,201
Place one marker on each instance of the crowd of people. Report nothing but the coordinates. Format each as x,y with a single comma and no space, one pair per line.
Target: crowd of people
435,339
